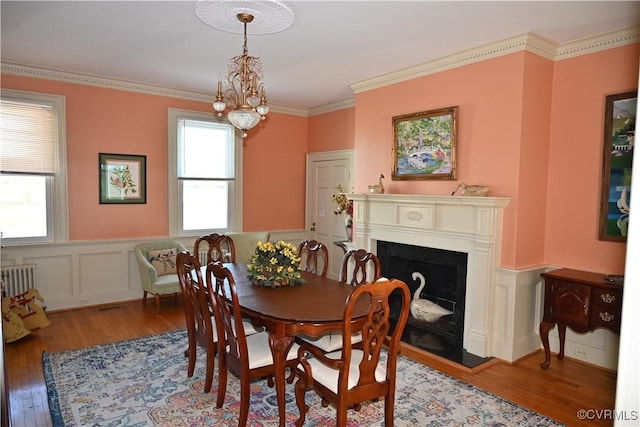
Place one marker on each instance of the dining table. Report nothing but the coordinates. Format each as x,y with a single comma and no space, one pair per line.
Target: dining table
313,309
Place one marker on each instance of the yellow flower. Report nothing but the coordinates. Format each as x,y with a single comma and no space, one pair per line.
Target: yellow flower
275,264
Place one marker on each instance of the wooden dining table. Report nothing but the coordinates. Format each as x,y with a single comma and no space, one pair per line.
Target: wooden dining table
313,309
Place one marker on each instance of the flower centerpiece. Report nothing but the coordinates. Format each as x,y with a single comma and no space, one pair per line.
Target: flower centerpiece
344,206
275,264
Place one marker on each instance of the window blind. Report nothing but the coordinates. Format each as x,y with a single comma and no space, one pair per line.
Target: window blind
27,137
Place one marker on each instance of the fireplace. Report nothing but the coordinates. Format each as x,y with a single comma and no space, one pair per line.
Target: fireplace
434,276
451,230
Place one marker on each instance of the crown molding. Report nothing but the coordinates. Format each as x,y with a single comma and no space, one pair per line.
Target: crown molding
341,105
26,70
610,40
529,41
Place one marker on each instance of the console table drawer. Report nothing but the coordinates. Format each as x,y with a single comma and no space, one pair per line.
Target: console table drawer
607,298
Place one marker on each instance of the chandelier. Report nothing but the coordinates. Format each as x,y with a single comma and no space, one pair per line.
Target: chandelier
244,99
246,95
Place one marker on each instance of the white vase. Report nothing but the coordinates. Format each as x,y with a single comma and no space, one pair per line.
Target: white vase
348,226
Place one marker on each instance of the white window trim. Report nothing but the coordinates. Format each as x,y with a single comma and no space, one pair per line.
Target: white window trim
172,171
59,200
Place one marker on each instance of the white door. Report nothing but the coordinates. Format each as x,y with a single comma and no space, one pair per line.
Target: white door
325,172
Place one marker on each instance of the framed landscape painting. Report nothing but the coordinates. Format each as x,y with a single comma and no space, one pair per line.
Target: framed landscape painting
424,145
123,178
617,164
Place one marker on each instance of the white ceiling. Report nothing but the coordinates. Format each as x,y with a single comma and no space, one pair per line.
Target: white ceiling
330,45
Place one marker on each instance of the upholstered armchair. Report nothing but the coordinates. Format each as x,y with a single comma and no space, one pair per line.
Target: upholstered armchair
245,243
157,264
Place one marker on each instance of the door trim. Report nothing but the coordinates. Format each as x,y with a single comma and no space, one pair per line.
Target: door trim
319,157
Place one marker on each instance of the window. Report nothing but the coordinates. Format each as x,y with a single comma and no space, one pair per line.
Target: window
205,191
33,183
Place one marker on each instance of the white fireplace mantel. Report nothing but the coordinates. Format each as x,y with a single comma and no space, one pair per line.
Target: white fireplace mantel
472,225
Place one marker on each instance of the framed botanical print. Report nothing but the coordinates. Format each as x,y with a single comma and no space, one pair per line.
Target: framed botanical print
123,178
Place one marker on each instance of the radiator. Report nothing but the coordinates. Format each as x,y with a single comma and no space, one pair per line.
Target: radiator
202,257
18,279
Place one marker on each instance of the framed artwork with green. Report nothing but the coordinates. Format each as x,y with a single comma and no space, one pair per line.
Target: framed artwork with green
123,178
617,164
424,145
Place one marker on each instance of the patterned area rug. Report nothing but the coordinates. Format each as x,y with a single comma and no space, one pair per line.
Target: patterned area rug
143,382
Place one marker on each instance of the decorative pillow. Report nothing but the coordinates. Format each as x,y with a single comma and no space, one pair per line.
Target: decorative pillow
164,260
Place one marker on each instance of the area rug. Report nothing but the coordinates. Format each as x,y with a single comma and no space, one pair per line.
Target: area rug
143,382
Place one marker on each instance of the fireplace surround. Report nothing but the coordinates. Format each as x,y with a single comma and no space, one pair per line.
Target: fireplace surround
434,276
468,225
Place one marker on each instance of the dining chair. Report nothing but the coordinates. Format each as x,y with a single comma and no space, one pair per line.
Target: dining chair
314,257
357,373
359,266
201,328
218,247
246,356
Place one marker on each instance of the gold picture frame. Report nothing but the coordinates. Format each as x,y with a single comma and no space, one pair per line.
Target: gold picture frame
424,145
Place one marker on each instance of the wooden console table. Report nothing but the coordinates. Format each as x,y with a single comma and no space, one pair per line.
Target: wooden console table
581,300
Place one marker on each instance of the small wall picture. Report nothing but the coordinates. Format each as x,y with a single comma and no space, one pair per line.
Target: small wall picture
424,145
617,163
123,178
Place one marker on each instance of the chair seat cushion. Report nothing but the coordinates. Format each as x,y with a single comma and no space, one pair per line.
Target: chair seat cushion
331,341
260,351
249,329
328,377
167,284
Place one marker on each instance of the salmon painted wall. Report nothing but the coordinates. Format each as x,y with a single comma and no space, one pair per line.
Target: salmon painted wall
577,121
274,173
113,121
489,96
533,161
529,127
332,131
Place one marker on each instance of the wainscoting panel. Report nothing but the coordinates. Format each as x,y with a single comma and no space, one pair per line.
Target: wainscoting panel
76,274
519,296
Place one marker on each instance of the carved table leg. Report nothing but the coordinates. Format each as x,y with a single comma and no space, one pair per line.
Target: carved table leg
280,346
545,327
562,329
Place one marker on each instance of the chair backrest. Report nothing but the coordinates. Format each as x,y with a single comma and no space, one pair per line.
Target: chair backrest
231,333
314,257
245,243
196,303
359,266
220,247
375,332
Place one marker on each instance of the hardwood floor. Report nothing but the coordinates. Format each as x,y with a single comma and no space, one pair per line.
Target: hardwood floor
559,392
